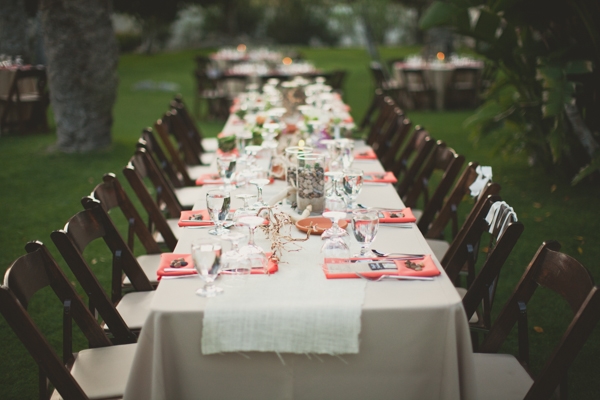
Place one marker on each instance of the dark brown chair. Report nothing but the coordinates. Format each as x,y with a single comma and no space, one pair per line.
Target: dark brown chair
111,195
383,144
207,145
412,158
336,80
120,312
99,372
371,113
399,137
504,233
384,119
209,92
443,160
463,88
504,376
169,168
136,171
390,87
23,108
420,91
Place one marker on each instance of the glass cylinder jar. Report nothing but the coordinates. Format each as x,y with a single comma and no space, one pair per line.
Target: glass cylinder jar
310,182
291,158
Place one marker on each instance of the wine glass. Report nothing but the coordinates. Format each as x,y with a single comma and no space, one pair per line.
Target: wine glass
364,227
335,229
226,164
260,184
334,199
335,247
206,254
256,255
346,150
352,180
233,262
245,210
218,203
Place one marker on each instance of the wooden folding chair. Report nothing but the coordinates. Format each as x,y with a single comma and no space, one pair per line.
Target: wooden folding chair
111,195
99,372
418,88
382,142
503,376
119,312
412,158
169,169
399,136
384,119
504,233
23,107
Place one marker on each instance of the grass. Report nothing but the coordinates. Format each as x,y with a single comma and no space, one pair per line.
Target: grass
41,190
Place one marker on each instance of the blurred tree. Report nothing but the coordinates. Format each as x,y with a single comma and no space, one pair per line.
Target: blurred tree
299,21
13,28
155,16
82,56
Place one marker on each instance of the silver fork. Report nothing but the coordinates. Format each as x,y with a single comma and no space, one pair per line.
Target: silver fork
396,277
381,254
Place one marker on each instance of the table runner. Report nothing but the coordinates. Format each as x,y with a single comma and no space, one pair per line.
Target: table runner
287,314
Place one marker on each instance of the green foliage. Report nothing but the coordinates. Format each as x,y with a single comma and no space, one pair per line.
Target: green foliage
536,48
296,22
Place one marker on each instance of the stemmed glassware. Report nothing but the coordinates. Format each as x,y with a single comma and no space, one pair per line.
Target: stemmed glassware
251,251
260,184
352,182
334,199
226,164
364,226
346,151
336,229
218,203
234,263
245,210
206,254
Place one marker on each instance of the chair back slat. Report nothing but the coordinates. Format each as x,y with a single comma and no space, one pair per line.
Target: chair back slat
397,141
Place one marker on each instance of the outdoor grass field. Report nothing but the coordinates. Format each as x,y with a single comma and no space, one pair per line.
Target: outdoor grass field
41,189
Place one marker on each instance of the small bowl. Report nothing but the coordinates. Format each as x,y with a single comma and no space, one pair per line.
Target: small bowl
319,224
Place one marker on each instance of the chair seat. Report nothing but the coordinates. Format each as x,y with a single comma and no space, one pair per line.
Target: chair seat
134,307
174,225
439,247
188,196
102,372
207,158
149,264
210,144
195,171
500,377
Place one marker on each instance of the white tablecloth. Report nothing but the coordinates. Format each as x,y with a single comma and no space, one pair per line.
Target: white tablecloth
414,339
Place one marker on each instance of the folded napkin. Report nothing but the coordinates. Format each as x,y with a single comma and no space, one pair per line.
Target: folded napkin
367,154
209,179
166,269
189,218
380,177
336,268
403,216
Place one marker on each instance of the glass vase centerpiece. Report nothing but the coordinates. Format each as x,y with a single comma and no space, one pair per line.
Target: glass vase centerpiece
310,182
291,166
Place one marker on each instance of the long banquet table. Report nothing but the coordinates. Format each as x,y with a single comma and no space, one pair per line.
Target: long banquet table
414,336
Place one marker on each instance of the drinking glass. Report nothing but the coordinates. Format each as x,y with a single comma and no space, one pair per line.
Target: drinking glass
245,210
335,247
260,184
218,204
334,199
233,262
226,164
206,254
346,150
352,180
335,230
256,255
364,227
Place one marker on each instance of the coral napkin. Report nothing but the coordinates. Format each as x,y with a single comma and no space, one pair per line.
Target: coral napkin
209,179
165,268
404,216
367,154
380,177
336,268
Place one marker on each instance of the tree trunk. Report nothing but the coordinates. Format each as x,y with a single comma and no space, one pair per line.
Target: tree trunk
82,54
13,28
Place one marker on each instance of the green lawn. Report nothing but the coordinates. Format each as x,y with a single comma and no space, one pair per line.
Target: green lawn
41,190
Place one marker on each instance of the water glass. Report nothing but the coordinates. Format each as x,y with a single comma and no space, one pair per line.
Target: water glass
364,226
206,254
218,204
352,182
226,164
